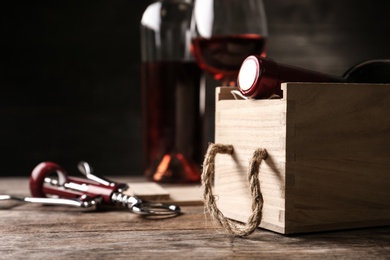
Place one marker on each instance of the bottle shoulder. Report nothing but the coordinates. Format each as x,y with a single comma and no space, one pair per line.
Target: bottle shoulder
371,71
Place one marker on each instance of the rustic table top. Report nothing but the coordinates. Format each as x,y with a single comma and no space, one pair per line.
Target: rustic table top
32,231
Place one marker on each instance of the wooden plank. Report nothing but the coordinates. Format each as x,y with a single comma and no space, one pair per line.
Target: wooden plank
341,156
248,125
188,195
46,232
184,195
147,191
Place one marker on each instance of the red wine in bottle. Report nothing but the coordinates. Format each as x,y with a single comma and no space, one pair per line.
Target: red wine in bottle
222,55
172,122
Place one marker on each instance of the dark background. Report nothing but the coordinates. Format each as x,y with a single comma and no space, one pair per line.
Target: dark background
70,76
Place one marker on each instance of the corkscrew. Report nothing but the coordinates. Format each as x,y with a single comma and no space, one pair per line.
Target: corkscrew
94,191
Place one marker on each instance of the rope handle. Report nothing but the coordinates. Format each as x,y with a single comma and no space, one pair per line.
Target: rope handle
231,227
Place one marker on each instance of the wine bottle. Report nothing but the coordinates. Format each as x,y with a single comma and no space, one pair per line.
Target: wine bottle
371,71
170,78
261,77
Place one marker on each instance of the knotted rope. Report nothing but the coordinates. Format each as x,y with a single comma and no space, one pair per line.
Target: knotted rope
231,227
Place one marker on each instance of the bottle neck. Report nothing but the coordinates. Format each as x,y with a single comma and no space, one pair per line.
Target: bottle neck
165,31
262,77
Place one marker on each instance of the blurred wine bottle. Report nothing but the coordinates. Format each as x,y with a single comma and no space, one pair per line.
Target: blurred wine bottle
372,71
172,121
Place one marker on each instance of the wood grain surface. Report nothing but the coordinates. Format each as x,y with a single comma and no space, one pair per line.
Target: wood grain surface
328,156
41,232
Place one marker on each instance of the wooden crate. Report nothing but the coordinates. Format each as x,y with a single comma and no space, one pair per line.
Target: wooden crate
328,164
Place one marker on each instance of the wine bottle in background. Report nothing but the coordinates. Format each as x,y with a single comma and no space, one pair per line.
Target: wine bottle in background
172,120
261,77
371,71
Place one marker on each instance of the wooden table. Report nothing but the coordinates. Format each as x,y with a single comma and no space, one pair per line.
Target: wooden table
52,232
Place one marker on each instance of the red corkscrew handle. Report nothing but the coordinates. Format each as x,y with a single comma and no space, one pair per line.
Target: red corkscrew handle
69,187
40,172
